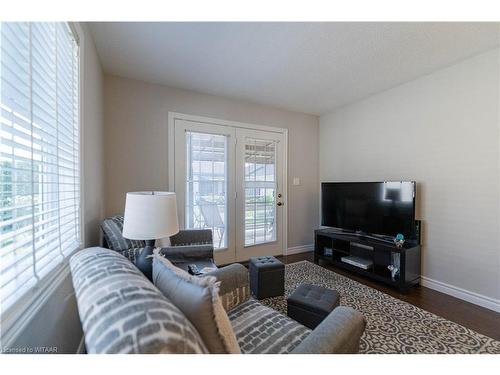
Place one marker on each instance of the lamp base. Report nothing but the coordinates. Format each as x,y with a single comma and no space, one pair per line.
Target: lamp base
144,262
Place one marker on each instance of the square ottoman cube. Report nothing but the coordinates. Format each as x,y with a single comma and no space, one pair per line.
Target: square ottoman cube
310,304
267,277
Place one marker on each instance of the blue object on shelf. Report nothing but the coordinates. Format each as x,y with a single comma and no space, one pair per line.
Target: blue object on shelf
399,240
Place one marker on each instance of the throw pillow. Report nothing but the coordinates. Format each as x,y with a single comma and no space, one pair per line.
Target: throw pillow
112,229
198,299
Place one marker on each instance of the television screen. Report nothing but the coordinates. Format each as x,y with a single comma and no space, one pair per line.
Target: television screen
380,208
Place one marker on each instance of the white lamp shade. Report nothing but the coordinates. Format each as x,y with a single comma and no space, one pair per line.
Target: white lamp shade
150,215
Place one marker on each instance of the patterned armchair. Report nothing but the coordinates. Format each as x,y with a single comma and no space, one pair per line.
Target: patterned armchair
187,247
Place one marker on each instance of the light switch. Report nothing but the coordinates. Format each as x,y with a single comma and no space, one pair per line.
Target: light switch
296,181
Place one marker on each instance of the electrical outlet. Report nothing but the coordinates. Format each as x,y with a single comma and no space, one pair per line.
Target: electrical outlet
296,181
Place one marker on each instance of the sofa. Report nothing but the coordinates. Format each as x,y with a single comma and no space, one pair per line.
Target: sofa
121,311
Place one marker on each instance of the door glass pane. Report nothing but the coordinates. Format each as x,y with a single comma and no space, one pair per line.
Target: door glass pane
260,191
206,184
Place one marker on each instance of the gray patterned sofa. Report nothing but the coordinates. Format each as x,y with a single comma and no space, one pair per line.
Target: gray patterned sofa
123,312
190,246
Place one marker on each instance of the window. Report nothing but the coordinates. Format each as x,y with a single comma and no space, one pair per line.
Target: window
206,184
39,153
260,188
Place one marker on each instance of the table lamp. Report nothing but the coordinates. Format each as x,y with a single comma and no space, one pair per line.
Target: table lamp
149,215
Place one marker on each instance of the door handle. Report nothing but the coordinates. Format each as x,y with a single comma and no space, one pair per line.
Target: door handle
279,204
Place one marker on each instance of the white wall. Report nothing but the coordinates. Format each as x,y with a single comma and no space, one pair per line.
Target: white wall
441,130
136,122
56,323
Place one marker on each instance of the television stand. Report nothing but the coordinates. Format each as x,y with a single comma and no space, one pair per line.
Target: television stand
370,256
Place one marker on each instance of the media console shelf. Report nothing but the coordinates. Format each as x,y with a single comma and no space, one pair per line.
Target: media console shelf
373,257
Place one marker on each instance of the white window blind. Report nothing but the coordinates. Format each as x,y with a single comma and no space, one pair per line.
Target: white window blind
39,153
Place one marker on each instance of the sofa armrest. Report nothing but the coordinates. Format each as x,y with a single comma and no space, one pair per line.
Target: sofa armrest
123,312
340,332
188,253
234,288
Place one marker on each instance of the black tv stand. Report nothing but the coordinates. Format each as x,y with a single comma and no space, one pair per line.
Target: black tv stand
372,254
359,234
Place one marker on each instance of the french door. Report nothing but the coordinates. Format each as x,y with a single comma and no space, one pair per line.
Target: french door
259,193
230,179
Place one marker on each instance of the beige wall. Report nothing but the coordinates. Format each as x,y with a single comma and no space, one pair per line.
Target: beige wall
441,130
136,115
93,144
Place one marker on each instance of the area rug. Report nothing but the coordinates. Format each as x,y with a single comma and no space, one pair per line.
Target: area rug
393,326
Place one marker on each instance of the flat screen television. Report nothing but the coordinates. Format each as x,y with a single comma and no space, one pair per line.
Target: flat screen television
375,208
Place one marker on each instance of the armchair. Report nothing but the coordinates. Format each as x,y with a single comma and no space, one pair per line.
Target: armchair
191,246
187,247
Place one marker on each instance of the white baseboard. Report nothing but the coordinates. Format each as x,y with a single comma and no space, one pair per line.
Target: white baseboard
472,297
299,249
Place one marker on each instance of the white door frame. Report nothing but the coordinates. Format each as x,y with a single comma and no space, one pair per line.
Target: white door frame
173,116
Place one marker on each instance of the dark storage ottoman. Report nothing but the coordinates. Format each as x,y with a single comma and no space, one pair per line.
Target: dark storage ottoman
267,277
310,304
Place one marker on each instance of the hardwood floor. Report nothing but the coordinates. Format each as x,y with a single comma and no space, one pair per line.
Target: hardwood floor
477,318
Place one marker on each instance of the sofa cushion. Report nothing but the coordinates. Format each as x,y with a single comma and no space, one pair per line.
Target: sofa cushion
262,330
123,312
198,298
112,229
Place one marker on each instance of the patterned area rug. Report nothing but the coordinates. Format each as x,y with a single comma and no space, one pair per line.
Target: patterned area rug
393,326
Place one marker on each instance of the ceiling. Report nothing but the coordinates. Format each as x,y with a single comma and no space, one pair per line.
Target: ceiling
306,67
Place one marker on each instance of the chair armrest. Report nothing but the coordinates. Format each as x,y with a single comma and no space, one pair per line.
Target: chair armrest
340,332
234,288
188,253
